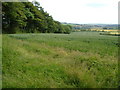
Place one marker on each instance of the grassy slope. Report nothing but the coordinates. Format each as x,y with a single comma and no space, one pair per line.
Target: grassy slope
81,59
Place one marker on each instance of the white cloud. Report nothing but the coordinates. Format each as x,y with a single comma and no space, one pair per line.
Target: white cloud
82,11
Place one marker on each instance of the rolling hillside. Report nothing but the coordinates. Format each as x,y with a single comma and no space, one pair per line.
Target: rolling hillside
77,60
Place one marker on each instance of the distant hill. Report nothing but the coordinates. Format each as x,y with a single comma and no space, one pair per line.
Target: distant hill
92,26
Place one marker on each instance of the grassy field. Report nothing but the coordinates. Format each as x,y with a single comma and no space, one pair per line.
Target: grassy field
76,60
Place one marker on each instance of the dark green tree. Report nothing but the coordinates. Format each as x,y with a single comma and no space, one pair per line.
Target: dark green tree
27,17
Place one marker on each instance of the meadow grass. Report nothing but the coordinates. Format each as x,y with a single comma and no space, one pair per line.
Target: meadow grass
76,60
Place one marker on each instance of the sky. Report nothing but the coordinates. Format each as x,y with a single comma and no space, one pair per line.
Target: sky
82,11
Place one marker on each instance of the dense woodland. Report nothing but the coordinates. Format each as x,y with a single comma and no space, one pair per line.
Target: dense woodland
29,17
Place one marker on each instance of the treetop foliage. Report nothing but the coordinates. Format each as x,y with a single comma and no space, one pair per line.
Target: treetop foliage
29,17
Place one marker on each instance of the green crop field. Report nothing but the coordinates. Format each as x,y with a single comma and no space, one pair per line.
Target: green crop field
76,60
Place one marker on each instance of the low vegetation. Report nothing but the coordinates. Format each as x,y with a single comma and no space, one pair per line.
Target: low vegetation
76,60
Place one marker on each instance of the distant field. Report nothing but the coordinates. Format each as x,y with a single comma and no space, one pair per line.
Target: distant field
116,33
103,30
79,59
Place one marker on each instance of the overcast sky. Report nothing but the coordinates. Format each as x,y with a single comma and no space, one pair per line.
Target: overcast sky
82,11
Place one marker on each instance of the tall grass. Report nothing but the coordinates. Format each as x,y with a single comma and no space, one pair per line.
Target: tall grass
77,60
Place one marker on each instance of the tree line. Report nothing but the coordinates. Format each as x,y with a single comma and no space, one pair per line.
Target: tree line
29,17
